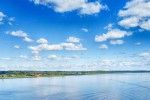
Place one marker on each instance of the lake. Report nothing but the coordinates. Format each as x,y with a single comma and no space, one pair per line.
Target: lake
127,86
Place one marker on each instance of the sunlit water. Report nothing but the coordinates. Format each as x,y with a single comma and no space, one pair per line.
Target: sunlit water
134,86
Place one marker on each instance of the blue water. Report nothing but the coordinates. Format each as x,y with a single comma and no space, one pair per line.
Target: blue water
134,86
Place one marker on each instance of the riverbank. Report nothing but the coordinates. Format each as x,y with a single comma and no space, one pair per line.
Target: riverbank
31,74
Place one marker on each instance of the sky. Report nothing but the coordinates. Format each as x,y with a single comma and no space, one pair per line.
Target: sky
74,35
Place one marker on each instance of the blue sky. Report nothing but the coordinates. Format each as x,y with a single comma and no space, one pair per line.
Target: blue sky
74,35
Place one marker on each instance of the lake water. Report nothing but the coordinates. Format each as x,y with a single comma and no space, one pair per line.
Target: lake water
135,86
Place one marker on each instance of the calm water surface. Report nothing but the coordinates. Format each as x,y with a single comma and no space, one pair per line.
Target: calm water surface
88,87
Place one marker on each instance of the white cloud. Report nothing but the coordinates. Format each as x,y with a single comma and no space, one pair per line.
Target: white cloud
23,56
101,38
145,25
36,58
21,34
61,58
139,8
92,8
42,41
53,57
83,6
144,54
138,43
41,47
6,58
73,40
2,16
109,26
136,13
72,46
112,34
16,46
56,47
10,20
72,43
103,46
27,39
114,42
85,29
69,58
53,47
129,22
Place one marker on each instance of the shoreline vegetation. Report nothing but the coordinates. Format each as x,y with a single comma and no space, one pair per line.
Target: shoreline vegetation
34,74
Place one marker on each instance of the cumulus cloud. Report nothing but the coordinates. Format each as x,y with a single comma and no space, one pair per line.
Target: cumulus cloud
91,8
56,47
73,40
42,41
145,25
136,13
72,43
129,22
114,42
103,46
136,8
112,34
21,34
83,6
41,47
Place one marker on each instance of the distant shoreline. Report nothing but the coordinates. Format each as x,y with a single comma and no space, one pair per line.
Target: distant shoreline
34,74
